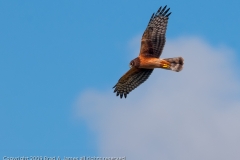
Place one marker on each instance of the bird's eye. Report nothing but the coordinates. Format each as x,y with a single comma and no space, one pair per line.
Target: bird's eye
131,64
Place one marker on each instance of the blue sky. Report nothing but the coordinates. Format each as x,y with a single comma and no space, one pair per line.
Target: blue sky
52,51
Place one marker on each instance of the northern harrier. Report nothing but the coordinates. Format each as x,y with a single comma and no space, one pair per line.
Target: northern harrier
152,44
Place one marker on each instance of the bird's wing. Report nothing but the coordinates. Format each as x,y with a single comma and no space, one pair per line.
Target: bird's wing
153,38
131,80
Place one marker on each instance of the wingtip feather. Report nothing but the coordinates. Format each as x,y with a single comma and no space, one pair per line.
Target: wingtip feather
168,14
163,9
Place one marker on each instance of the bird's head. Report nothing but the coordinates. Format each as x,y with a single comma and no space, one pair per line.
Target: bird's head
134,63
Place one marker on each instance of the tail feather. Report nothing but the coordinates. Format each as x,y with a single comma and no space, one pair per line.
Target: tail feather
176,63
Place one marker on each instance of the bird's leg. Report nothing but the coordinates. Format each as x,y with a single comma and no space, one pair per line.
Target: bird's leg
164,64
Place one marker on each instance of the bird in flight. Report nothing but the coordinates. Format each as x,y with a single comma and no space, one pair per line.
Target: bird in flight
152,43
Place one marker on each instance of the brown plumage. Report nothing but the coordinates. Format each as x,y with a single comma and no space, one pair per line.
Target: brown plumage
152,43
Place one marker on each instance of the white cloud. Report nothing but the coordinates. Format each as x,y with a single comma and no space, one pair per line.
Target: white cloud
190,115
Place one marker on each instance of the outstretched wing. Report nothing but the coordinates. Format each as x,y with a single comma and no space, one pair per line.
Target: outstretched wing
153,39
131,80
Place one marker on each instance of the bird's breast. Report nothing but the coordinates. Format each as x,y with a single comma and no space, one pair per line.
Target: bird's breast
150,63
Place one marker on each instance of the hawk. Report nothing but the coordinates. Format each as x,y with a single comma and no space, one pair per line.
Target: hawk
152,43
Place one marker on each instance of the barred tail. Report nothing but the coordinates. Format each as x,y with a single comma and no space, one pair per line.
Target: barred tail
176,63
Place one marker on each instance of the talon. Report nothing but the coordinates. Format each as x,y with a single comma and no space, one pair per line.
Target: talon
165,66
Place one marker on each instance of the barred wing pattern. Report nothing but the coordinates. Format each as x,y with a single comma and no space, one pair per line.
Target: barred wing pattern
131,80
153,39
